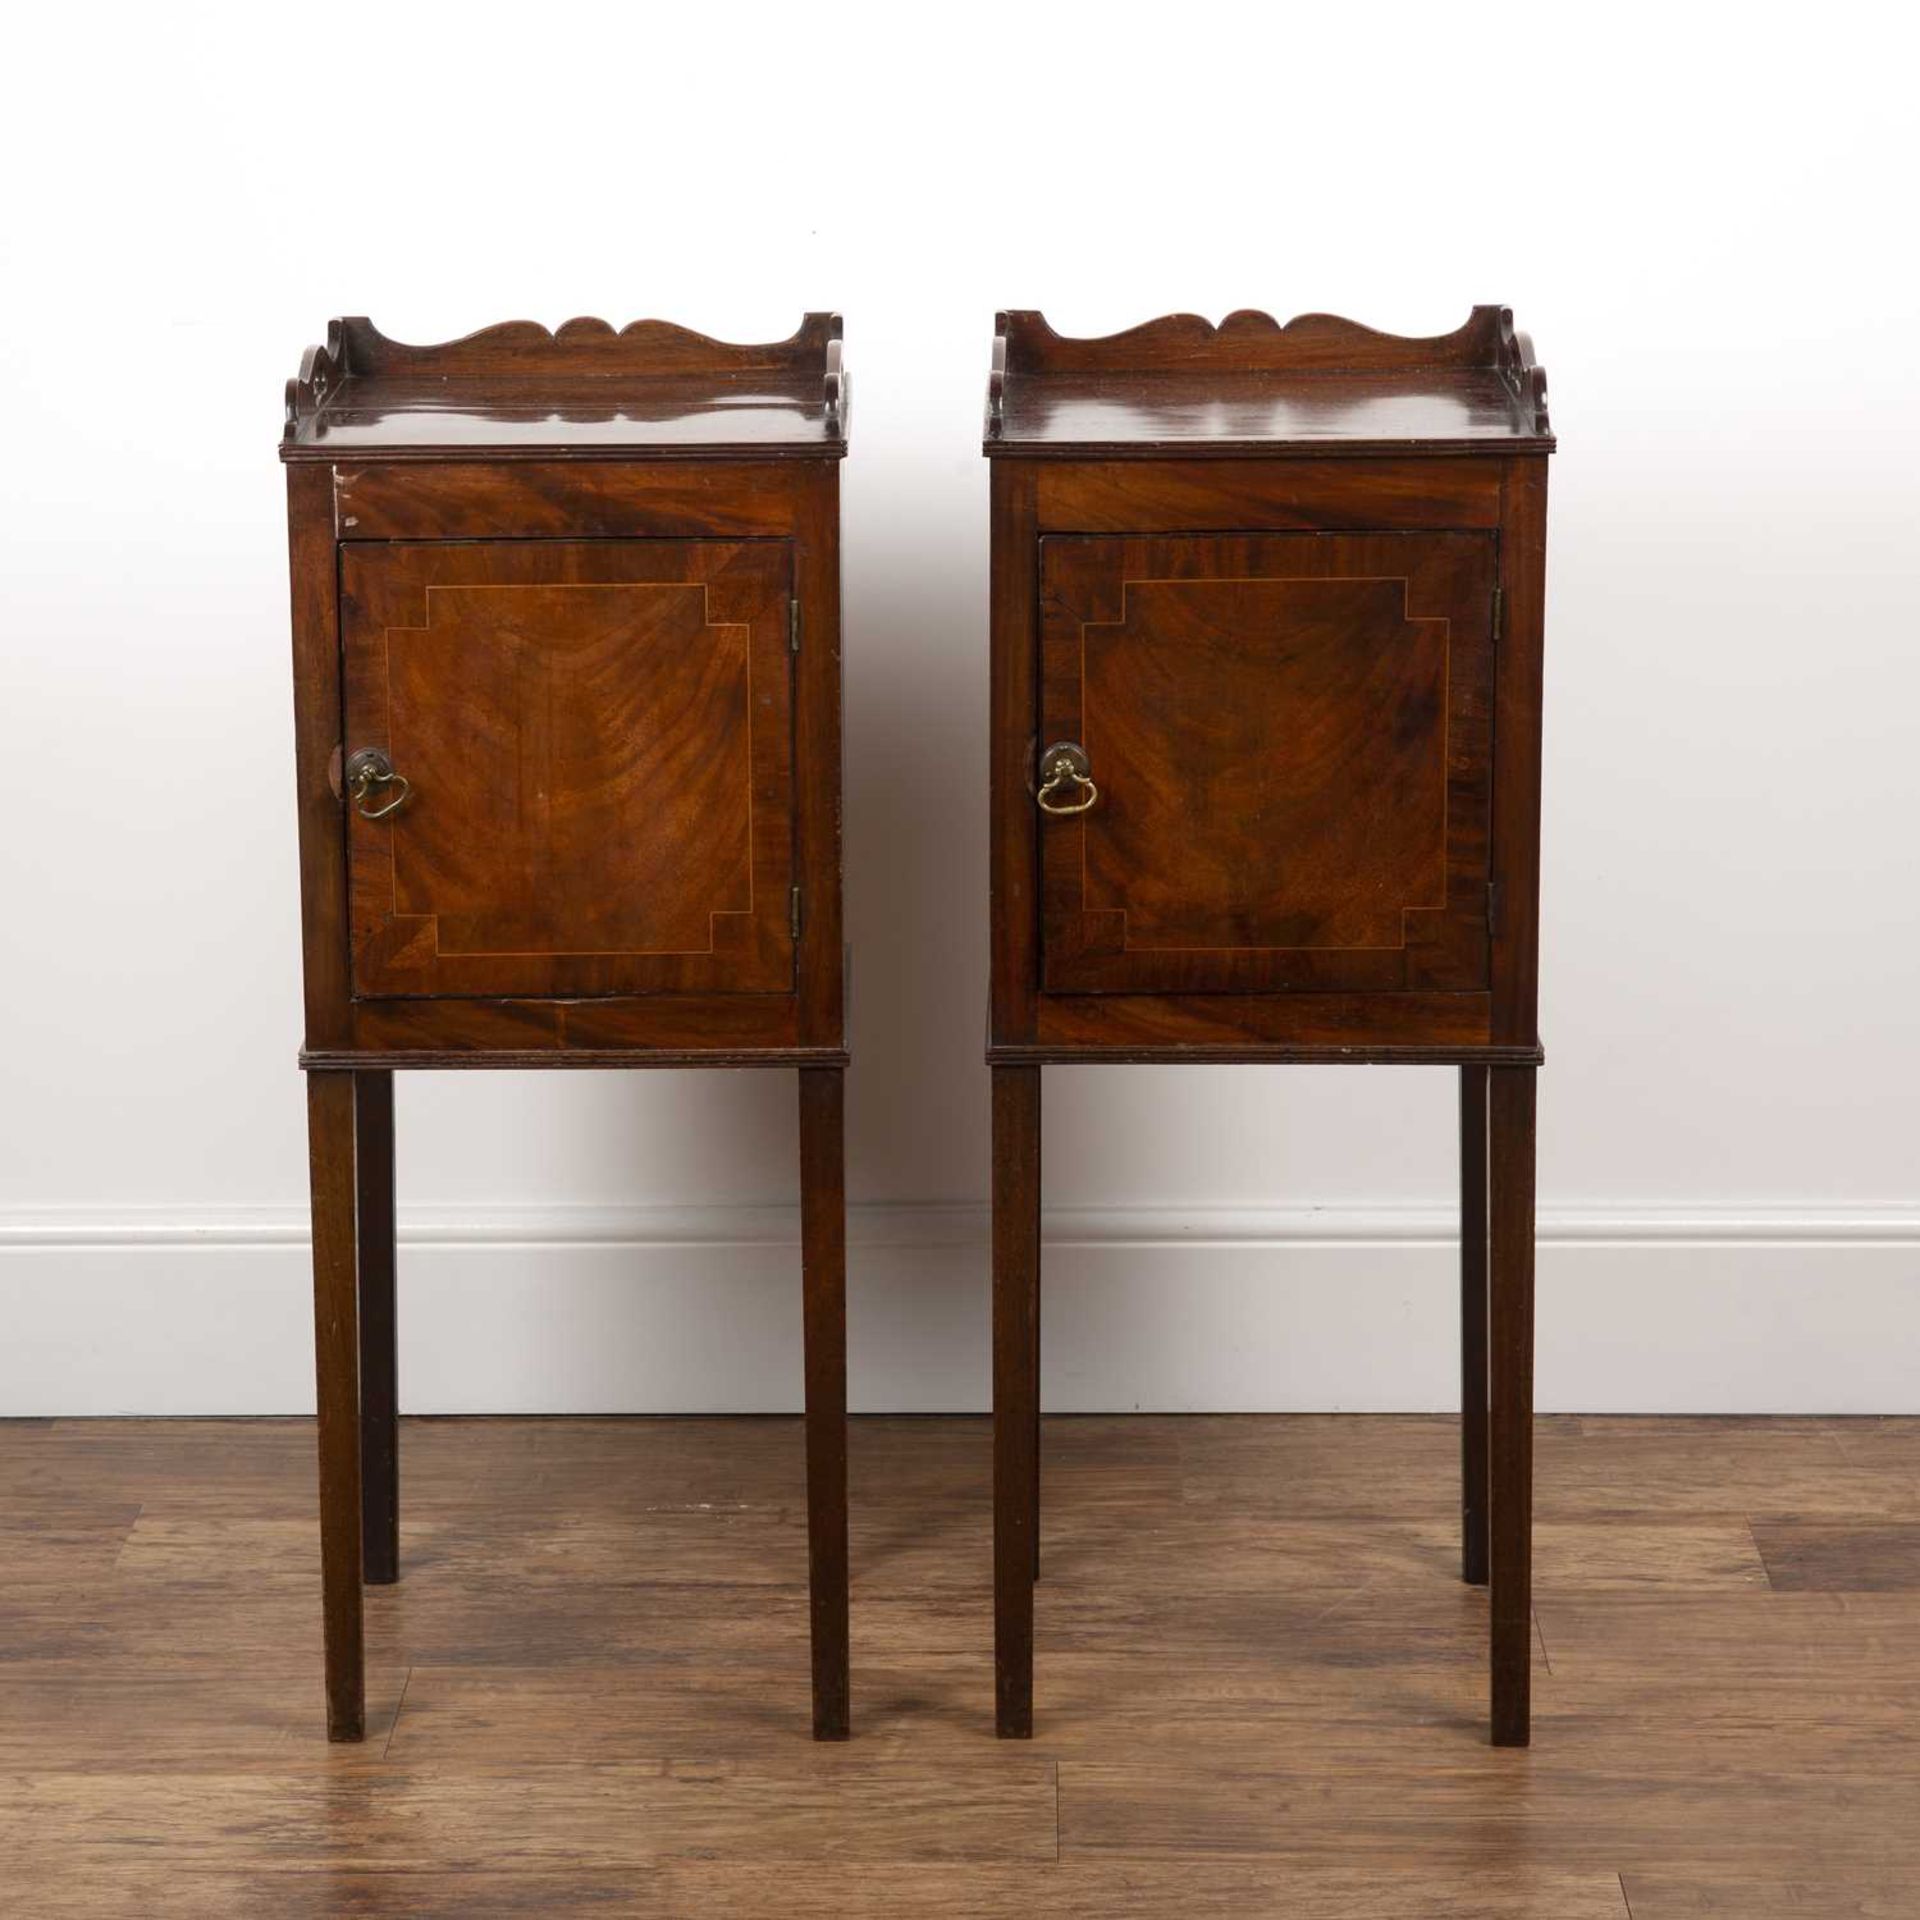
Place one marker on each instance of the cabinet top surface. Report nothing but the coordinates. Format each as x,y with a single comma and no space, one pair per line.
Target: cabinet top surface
1183,386
651,390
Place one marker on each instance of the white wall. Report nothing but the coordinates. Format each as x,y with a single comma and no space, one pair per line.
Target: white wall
1706,225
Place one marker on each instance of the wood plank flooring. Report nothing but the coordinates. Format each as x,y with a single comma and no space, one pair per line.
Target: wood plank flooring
1261,1687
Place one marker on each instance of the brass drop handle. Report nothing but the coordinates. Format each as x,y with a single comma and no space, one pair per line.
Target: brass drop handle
370,769
1064,768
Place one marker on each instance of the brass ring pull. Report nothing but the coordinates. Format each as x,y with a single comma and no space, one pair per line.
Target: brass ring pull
1064,767
368,769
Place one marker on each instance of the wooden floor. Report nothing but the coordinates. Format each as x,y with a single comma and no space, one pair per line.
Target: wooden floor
1260,1685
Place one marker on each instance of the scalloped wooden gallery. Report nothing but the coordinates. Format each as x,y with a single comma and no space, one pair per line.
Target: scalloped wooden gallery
1267,624
566,648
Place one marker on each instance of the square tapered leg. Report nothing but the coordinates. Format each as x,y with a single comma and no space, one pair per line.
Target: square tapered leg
379,1328
1473,1325
337,1372
1510,1210
1034,1524
1016,1330
823,1235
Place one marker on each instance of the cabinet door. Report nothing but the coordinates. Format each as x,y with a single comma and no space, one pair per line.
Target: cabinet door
1291,737
598,741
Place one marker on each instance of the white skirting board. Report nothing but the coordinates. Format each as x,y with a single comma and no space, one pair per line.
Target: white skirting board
653,1310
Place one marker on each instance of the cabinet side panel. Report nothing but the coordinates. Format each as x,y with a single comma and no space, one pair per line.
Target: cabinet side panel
1516,754
818,714
316,722
1013,909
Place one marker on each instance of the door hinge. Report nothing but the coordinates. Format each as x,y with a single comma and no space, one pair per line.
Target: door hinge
1499,611
793,913
1493,908
793,626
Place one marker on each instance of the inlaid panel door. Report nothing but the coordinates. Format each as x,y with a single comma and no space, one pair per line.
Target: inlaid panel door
1291,740
596,738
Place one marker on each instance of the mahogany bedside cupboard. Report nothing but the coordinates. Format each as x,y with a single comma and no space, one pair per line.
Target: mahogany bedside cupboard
1265,787
566,655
